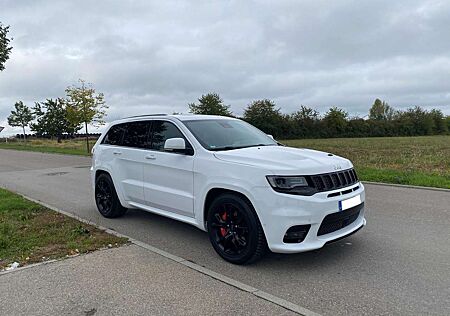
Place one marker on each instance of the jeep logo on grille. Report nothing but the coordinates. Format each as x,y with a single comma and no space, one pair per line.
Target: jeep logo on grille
337,167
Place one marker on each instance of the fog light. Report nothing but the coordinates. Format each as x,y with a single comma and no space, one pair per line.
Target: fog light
296,234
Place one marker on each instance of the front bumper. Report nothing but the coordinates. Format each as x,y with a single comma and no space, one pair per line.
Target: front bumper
278,212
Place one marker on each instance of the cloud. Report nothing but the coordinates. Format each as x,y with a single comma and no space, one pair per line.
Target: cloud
157,56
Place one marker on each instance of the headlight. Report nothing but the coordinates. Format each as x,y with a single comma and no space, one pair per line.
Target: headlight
291,184
287,182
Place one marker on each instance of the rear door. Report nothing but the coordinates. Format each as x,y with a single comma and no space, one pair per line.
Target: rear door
128,167
168,176
110,152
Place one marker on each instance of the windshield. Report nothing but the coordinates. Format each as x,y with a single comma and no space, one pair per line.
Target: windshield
227,134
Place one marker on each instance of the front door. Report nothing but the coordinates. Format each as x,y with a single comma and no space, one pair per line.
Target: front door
168,176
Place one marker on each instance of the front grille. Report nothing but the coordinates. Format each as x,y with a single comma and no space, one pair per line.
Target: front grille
336,221
334,180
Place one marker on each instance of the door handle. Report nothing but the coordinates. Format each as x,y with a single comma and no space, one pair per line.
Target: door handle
150,157
116,152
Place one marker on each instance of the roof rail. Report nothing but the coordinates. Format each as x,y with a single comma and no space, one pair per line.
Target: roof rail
162,114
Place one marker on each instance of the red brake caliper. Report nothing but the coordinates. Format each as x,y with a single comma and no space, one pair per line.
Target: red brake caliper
223,231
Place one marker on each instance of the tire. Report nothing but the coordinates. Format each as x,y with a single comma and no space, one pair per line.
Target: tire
234,230
106,199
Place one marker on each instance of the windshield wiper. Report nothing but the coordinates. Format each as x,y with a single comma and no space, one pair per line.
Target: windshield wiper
223,148
238,147
260,145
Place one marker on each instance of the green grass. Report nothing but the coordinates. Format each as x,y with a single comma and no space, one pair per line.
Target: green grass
423,161
68,147
31,233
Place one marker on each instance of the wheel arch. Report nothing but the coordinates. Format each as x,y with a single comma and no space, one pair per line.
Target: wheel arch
213,193
100,171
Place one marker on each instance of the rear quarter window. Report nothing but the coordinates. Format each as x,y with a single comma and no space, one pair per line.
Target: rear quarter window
114,135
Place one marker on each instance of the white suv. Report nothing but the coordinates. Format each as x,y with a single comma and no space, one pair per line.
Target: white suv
228,178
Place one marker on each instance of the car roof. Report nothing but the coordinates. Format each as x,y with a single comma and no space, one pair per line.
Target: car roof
192,117
181,117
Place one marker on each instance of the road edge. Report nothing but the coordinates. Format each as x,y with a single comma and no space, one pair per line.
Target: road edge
192,265
46,152
407,186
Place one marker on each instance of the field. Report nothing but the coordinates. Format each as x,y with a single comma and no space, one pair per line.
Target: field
423,161
31,233
70,147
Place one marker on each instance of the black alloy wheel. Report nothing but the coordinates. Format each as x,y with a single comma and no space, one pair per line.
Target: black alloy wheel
234,230
108,203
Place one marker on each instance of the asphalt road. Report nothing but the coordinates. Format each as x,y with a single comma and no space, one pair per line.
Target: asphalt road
399,264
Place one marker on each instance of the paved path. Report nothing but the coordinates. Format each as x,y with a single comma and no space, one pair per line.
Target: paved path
124,281
398,265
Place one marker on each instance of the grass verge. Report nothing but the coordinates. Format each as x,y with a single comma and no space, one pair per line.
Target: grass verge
423,160
404,177
31,233
68,147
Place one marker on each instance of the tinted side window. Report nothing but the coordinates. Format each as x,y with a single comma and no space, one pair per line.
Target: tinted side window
136,135
162,131
114,135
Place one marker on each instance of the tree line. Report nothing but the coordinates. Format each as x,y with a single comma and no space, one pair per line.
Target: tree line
53,118
382,119
83,106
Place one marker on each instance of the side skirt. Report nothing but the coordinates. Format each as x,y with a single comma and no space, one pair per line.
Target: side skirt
178,217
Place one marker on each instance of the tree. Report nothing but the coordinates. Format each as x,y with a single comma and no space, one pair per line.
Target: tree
358,127
264,115
381,111
447,120
210,104
440,125
51,119
415,121
21,116
84,106
5,49
306,121
335,121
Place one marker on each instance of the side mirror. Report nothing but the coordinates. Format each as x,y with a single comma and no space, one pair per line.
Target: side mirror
270,136
175,144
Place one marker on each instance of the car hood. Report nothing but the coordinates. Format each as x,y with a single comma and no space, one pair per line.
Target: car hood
286,160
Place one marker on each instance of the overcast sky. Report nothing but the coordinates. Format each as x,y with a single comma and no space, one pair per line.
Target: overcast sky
157,56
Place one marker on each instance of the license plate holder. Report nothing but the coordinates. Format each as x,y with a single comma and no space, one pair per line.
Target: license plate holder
349,203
